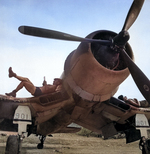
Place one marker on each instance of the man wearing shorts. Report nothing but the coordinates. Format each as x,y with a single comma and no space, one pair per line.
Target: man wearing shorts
35,91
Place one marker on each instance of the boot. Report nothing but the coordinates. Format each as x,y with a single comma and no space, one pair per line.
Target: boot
11,73
13,93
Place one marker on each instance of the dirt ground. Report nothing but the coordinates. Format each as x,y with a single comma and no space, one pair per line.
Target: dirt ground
74,144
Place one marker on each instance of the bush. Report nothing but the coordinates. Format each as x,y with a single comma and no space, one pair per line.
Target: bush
86,132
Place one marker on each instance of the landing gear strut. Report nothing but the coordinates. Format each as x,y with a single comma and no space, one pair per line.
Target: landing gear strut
143,125
42,139
144,145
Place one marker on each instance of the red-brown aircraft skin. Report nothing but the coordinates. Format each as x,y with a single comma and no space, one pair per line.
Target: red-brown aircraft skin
83,99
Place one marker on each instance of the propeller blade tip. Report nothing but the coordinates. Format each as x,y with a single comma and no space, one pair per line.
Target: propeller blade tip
21,29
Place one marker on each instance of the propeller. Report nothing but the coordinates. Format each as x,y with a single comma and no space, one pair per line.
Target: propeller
123,36
138,76
119,40
40,32
133,14
131,17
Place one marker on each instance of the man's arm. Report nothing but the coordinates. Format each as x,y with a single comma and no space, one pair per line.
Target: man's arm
44,82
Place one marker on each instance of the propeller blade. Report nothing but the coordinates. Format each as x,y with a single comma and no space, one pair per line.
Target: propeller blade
133,14
40,32
139,77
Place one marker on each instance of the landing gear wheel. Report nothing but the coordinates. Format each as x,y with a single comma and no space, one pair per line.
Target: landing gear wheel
42,139
13,145
40,146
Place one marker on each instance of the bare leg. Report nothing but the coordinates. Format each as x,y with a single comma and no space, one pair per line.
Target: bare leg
25,82
28,85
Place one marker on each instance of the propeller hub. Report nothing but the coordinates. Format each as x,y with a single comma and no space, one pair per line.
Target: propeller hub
121,39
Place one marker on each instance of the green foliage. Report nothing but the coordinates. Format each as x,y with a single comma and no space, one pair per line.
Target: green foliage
86,132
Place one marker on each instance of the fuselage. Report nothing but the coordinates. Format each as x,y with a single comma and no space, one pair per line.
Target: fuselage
92,75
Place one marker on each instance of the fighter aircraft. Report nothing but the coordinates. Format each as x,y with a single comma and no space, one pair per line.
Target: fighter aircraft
92,75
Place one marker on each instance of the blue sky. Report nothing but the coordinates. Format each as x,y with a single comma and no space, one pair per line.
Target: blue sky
37,57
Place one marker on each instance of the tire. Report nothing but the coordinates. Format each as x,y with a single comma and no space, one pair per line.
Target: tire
40,146
12,145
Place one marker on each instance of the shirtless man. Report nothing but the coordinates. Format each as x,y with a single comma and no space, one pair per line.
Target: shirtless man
35,91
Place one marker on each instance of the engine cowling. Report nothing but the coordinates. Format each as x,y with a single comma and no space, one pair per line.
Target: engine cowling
93,71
